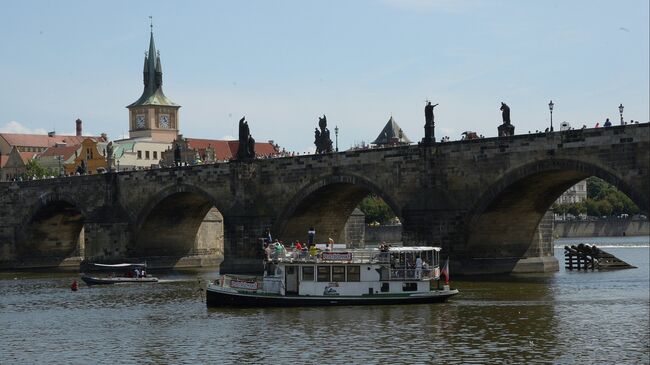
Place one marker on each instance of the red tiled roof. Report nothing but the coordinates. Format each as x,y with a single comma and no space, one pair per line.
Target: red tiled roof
221,149
225,150
43,140
65,151
26,156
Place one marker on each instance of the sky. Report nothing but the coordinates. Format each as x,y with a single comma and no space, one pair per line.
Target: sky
282,64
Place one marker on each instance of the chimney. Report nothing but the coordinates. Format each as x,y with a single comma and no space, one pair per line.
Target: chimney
78,127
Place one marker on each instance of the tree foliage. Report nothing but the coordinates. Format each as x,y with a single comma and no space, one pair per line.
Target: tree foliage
603,199
376,209
34,170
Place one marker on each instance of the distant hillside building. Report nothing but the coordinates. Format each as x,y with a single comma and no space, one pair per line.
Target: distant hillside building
575,194
391,135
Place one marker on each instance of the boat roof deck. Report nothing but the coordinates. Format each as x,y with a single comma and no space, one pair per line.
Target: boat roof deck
352,256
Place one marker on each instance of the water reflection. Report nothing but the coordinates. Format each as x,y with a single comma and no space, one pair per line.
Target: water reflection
565,317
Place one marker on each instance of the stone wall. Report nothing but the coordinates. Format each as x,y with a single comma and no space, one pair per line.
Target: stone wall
386,234
354,231
602,228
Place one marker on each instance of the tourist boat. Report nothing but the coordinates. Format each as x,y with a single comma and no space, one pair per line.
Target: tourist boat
118,274
396,275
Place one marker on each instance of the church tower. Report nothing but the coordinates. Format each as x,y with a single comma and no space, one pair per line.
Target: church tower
153,115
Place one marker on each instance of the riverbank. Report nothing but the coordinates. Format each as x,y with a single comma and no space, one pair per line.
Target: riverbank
610,227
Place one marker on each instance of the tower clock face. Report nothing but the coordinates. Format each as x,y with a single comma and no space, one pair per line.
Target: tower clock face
139,121
164,121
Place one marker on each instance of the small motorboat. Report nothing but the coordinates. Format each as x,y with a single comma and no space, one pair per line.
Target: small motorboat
118,274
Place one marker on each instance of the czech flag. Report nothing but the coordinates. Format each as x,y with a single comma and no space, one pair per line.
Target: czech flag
445,271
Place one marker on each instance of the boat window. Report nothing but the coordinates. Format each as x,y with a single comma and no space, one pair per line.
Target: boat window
323,273
410,287
307,273
338,273
354,273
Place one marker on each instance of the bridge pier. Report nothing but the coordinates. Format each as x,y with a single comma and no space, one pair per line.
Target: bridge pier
242,247
105,242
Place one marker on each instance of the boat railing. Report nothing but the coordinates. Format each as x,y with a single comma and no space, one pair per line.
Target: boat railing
388,274
245,283
350,256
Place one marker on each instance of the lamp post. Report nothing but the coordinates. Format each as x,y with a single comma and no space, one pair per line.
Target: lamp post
620,110
550,108
336,134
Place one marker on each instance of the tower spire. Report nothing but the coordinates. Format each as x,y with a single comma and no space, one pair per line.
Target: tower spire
152,76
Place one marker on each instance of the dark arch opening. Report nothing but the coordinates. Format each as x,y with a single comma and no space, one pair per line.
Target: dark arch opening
329,210
506,222
182,224
53,234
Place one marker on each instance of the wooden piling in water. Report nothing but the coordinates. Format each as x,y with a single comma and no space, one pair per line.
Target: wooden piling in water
586,257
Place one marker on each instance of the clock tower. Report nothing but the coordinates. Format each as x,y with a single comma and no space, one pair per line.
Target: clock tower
153,115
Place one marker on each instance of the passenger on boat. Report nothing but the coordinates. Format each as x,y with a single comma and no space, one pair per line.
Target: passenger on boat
418,267
298,245
313,251
330,244
279,249
311,234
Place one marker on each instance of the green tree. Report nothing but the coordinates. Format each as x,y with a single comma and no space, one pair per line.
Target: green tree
560,208
376,209
34,169
604,199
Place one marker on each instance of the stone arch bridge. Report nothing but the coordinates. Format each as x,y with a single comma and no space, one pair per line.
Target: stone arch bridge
481,200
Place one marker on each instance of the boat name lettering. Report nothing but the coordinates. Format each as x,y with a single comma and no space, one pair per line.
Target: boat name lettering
337,256
240,284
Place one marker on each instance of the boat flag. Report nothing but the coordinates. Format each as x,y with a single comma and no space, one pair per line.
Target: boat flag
445,271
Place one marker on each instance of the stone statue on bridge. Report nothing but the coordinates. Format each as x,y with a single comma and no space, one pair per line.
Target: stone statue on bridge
246,148
506,129
322,138
429,124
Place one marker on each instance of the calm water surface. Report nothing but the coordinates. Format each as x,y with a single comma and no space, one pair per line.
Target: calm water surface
565,317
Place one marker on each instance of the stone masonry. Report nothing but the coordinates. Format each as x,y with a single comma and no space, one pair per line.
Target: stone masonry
481,200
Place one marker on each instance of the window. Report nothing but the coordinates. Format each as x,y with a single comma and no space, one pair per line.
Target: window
323,273
155,155
89,154
338,273
410,287
307,273
354,273
139,155
146,155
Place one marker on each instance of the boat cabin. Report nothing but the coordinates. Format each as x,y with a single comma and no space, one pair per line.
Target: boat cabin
393,270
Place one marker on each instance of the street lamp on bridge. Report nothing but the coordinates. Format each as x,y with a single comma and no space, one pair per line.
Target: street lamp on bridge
336,136
620,110
550,107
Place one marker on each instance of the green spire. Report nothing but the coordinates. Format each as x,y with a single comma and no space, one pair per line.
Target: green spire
152,72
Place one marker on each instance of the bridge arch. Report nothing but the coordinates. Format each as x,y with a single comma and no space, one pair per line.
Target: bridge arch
52,230
504,220
178,221
326,203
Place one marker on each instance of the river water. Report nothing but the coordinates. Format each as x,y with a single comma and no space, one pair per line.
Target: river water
564,317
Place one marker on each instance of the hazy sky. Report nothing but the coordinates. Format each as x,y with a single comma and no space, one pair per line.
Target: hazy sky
284,63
